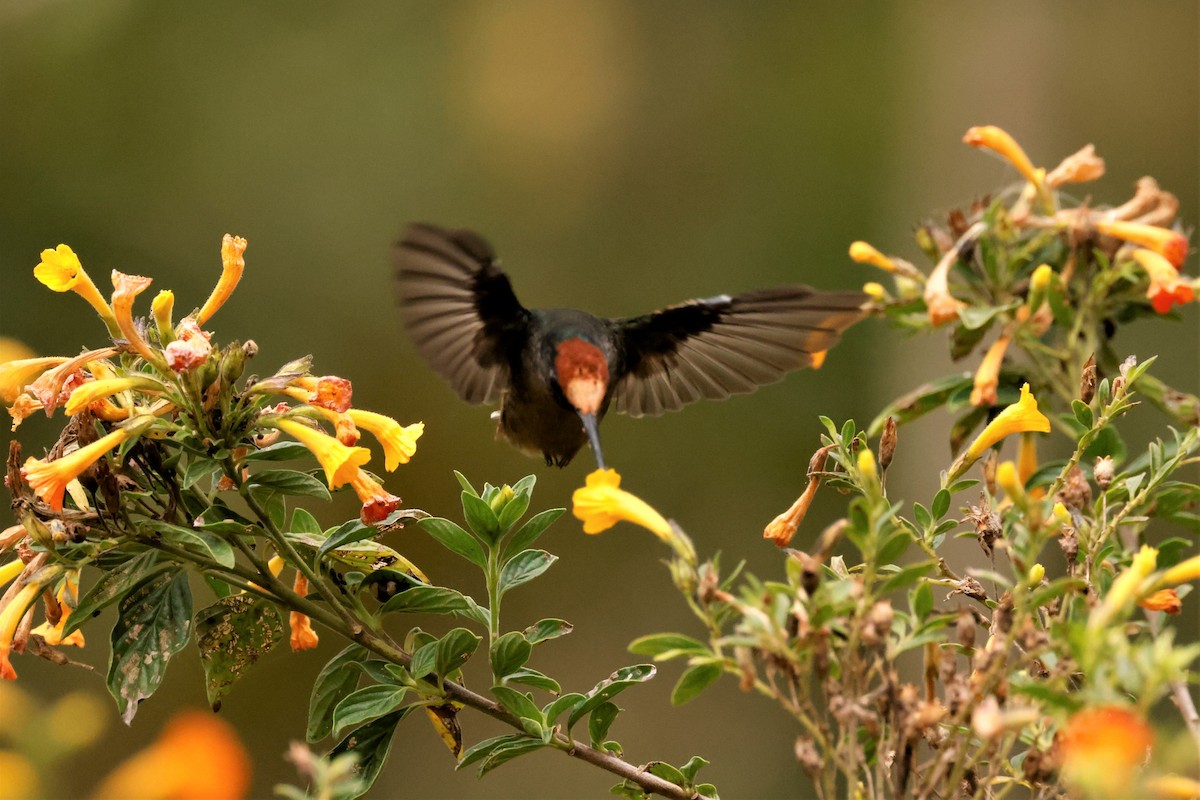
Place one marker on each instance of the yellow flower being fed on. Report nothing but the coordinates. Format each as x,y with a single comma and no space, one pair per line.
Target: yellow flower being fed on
61,271
1021,416
340,462
232,266
601,503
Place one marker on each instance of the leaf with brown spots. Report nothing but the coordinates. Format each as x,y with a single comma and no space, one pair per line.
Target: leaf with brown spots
232,634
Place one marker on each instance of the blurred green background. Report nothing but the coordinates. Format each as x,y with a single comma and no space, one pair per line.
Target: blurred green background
620,156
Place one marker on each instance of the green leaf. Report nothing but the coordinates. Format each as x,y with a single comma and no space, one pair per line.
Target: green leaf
908,575
655,644
429,600
546,629
921,401
370,744
464,483
196,471
451,536
521,705
693,766
921,601
1082,413
941,504
978,316
509,653
481,749
289,481
507,752
533,528
111,587
195,541
348,533
894,547
531,677
337,679
611,686
600,720
560,704
154,621
424,660
667,772
304,522
453,650
367,704
693,681
280,451
524,567
480,517
232,634
513,510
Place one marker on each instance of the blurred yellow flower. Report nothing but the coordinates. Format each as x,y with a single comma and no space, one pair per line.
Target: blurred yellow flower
61,271
16,375
999,141
14,611
197,757
340,462
1184,571
232,265
68,597
1100,750
1125,588
864,253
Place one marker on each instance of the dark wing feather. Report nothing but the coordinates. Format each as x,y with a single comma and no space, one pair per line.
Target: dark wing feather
459,308
711,349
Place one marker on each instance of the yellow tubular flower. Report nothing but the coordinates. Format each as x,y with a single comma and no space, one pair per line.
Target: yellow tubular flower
68,597
1022,415
1170,244
864,253
399,442
126,288
14,611
1167,286
875,291
162,307
92,391
987,377
49,479
1010,482
11,570
61,271
232,265
999,141
16,375
866,465
340,462
1184,571
197,757
1125,588
601,504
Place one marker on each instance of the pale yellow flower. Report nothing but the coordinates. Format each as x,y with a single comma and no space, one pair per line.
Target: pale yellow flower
232,265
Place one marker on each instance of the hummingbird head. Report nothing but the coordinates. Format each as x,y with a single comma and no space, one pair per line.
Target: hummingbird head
582,372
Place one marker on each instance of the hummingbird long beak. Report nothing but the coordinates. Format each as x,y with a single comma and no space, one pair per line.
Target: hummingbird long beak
593,431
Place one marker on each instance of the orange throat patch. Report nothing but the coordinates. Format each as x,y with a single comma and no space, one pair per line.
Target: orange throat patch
582,372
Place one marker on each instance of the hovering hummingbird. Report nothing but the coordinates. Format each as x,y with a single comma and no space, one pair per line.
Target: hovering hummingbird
556,371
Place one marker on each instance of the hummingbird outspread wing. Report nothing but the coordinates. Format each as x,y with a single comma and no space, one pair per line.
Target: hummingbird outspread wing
711,349
459,308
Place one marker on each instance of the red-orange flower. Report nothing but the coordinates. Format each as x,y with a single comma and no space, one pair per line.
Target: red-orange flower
1170,244
1163,600
1100,749
303,636
377,502
1167,286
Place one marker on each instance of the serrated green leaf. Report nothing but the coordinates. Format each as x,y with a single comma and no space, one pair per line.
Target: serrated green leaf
693,681
509,653
367,704
154,622
600,720
337,679
480,517
546,629
611,686
455,539
524,567
656,644
232,634
370,744
111,587
533,528
289,482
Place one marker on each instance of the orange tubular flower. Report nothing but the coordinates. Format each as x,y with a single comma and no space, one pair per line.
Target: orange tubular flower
340,462
61,271
999,141
864,253
941,305
232,265
1169,244
48,388
1101,748
377,501
987,377
1163,600
197,757
1167,287
303,635
328,392
126,288
14,611
399,441
49,479
781,529
16,375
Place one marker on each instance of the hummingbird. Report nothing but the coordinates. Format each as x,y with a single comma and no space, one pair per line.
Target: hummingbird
557,371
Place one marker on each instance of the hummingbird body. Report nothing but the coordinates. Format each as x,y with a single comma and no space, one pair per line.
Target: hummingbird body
556,372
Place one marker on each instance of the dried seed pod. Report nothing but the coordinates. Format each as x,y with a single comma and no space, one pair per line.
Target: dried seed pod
1087,380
